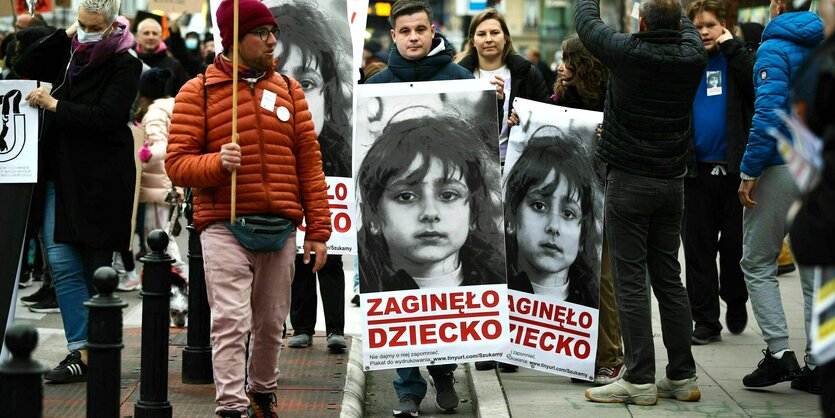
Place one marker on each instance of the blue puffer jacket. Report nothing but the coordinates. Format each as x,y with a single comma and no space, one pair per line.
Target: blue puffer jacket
787,40
436,66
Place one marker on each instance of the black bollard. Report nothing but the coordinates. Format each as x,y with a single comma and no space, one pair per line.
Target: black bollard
104,346
197,356
156,286
21,378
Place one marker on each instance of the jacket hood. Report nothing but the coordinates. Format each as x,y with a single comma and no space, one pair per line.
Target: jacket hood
423,69
801,28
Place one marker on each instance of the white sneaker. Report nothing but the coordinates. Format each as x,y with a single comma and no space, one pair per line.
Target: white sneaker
681,390
624,392
128,282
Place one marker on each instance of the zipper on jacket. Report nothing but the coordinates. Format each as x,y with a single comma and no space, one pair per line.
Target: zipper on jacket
260,144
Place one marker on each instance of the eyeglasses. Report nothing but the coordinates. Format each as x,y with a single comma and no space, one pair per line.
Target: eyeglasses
264,34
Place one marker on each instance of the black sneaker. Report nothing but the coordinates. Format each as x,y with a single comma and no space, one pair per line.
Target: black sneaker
48,305
25,279
736,318
42,294
409,406
809,380
787,268
262,405
771,371
485,365
446,399
702,336
72,369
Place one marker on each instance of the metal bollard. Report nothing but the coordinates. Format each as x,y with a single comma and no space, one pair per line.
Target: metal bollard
197,355
156,286
21,378
104,346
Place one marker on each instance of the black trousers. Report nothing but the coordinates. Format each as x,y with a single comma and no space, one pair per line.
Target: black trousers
643,227
712,224
303,300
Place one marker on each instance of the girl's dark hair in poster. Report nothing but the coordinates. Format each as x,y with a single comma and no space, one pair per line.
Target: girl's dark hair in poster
416,144
550,150
324,44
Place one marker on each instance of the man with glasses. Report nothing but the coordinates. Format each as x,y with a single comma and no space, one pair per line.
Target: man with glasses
279,175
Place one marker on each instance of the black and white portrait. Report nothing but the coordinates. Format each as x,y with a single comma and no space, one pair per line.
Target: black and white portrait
713,79
428,186
553,205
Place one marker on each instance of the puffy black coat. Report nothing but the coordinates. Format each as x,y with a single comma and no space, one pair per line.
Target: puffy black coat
436,66
86,146
526,82
649,101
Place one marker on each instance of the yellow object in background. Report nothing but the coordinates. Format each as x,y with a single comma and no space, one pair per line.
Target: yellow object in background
785,262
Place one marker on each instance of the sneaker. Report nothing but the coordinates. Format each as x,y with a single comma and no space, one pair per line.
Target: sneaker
607,375
128,282
409,406
809,380
262,405
508,368
485,365
48,305
736,318
771,371
355,300
624,392
681,390
70,370
446,399
336,342
36,297
25,279
703,336
787,268
300,341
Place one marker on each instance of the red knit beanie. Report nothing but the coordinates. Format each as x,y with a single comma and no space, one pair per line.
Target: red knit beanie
251,14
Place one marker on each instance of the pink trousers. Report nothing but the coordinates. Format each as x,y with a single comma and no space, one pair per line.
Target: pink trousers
248,293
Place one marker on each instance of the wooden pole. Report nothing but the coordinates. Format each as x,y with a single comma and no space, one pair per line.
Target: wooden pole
234,102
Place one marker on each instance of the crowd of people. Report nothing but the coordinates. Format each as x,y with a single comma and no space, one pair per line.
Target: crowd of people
685,155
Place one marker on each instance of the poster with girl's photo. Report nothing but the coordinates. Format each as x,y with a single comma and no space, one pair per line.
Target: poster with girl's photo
315,48
553,210
430,231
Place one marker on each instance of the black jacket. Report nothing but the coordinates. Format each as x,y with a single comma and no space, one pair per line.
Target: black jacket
813,229
526,82
740,105
436,66
162,60
86,146
581,290
649,101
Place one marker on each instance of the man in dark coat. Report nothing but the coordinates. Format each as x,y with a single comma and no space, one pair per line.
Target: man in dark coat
419,53
646,135
153,51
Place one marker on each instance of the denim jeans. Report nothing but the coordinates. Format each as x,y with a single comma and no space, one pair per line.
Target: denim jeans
643,223
411,381
72,268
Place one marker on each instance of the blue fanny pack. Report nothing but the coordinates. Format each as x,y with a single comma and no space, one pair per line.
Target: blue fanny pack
261,233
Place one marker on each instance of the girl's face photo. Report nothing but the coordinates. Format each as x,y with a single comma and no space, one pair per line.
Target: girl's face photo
425,218
310,80
550,225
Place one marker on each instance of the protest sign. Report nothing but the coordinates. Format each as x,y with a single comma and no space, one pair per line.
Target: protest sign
553,211
431,253
19,133
176,6
342,204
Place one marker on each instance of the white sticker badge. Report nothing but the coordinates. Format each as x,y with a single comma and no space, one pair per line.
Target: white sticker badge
282,113
268,100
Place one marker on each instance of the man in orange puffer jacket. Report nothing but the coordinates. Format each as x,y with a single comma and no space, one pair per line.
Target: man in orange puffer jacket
279,173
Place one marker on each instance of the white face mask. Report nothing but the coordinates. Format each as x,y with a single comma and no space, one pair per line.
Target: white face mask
87,37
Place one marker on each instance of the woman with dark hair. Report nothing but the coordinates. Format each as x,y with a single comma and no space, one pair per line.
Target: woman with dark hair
553,219
489,54
429,208
314,49
581,80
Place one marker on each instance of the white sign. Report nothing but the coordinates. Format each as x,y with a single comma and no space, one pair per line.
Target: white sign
18,134
343,212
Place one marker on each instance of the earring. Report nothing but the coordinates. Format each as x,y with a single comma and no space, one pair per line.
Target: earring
373,228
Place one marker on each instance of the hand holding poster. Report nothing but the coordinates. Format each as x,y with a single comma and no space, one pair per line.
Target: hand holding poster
429,223
553,233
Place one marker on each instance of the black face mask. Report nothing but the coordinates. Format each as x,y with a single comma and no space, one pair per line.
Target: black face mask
210,58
